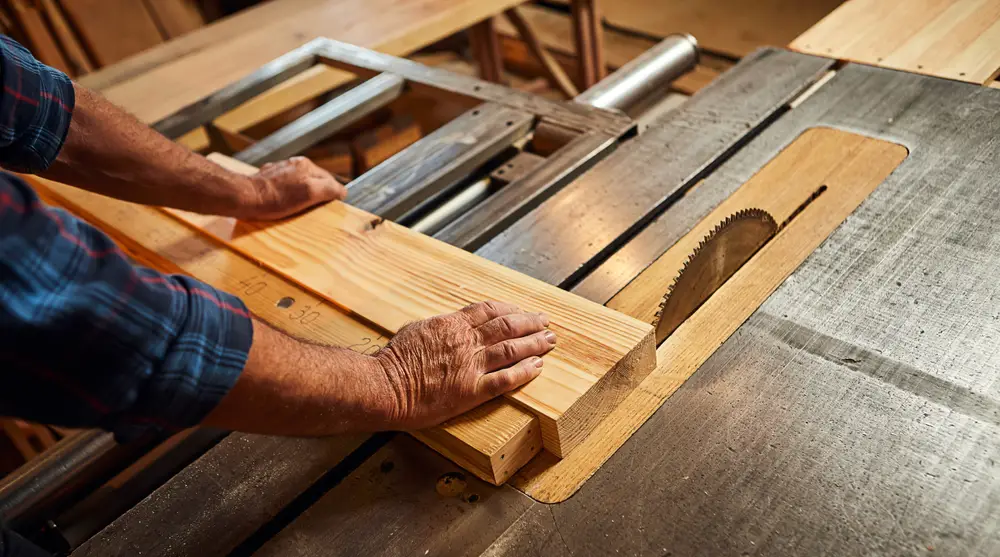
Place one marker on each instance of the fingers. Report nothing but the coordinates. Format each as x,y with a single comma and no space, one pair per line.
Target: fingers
322,185
479,314
512,325
506,380
511,351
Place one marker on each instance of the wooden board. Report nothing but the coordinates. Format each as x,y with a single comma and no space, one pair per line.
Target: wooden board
732,27
113,29
849,165
955,40
391,276
492,441
175,17
185,70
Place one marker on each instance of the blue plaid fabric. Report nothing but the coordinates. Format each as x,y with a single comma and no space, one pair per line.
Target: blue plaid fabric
87,338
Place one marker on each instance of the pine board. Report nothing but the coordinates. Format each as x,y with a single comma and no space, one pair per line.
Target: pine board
391,276
951,39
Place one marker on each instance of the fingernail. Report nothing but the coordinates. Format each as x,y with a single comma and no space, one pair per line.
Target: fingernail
550,336
538,362
545,319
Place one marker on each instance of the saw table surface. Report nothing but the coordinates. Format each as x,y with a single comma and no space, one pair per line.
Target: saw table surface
855,412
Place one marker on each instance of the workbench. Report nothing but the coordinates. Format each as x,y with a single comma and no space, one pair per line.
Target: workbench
855,412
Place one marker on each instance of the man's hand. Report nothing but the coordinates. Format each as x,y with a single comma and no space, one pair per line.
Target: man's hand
431,371
287,187
443,366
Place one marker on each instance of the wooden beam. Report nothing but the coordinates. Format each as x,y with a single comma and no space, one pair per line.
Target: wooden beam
486,50
391,276
40,40
588,35
78,61
492,441
555,73
849,165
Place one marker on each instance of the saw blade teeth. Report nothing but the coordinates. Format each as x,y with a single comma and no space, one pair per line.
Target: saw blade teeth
669,312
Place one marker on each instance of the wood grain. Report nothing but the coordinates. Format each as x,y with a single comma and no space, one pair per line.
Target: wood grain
955,40
392,276
113,29
851,166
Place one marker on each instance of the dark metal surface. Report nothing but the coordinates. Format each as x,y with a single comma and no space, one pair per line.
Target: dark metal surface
438,161
857,411
404,500
489,218
562,239
64,474
222,498
326,120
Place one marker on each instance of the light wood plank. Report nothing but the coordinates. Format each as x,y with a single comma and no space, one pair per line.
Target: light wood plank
113,29
392,276
492,441
951,39
176,17
851,167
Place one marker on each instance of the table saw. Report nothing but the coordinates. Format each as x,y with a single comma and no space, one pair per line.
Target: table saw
814,241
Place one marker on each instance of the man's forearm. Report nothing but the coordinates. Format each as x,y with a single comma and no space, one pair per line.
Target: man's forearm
109,151
291,387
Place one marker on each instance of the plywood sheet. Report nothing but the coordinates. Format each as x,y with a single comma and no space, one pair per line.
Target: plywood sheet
951,39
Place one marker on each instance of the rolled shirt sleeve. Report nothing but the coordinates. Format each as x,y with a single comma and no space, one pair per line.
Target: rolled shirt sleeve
36,107
88,339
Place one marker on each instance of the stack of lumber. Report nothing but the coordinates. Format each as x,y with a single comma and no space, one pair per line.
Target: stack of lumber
77,36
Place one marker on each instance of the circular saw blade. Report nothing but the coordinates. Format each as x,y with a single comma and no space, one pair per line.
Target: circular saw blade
718,256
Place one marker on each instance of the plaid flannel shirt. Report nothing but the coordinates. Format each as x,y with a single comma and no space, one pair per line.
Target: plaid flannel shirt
87,338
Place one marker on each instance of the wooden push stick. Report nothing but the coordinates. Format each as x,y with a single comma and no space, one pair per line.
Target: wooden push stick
392,276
